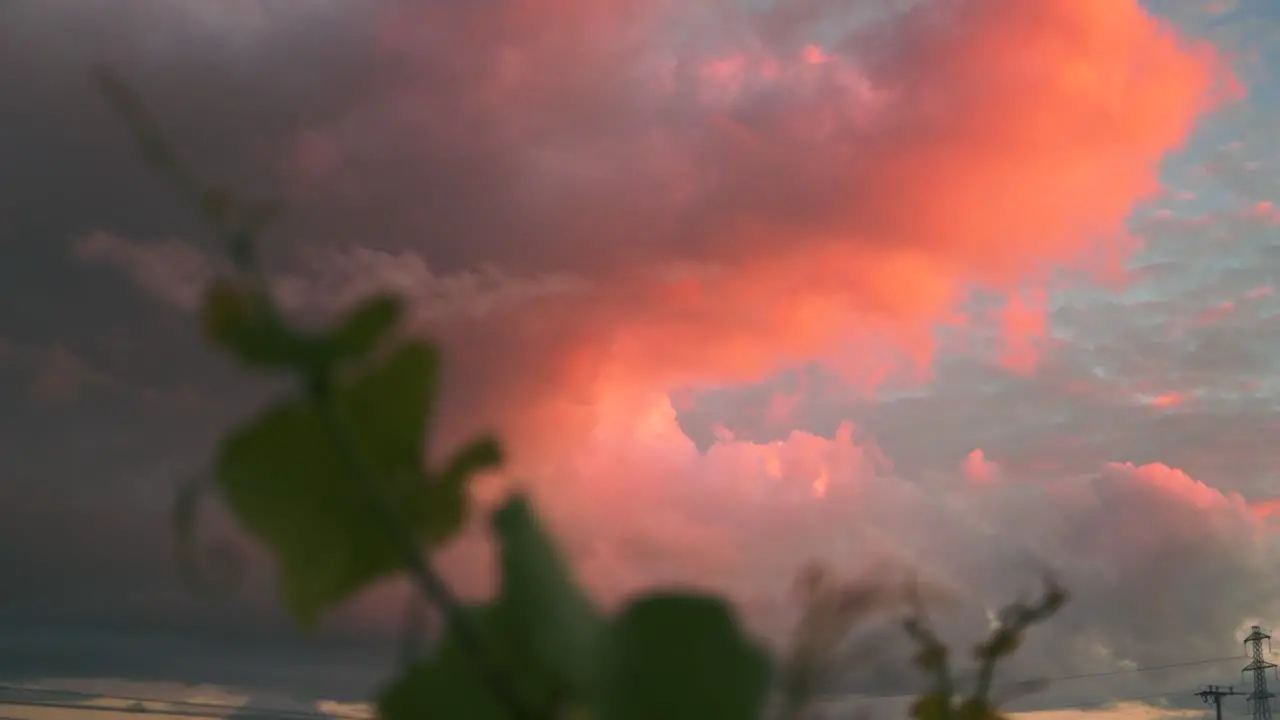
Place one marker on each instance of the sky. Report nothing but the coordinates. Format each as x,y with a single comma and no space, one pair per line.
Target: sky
974,287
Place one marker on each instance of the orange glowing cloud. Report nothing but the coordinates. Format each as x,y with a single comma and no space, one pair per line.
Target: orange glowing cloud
1265,508
978,469
746,204
1167,400
1175,483
1266,211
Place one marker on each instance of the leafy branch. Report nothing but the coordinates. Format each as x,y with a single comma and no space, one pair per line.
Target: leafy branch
241,318
932,656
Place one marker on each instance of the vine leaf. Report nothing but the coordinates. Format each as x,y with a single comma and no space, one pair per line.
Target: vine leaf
482,453
364,327
449,684
552,626
449,497
289,483
541,628
237,319
681,657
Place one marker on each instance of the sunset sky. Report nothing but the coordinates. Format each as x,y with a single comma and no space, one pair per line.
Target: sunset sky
977,287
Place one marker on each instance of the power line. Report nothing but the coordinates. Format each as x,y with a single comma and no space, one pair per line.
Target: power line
1113,701
1126,671
1074,706
1014,685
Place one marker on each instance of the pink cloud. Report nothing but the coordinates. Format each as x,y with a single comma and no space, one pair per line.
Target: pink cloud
1167,400
735,207
978,469
1176,485
1266,212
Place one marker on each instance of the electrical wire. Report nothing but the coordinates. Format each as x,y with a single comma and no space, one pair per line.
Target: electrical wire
1016,684
1105,703
1125,671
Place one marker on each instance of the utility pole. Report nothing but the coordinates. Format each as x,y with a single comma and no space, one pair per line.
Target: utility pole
1214,694
1260,698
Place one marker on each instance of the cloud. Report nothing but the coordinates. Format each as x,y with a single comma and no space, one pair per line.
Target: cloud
55,375
173,271
978,469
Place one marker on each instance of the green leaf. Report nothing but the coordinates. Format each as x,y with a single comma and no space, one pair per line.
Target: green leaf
680,657
552,626
482,453
447,686
361,330
319,506
448,496
238,320
444,510
391,405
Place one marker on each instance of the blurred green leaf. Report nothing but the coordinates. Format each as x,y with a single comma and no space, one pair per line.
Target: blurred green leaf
359,332
681,657
448,494
444,510
552,626
292,486
238,320
1004,641
388,408
482,453
449,685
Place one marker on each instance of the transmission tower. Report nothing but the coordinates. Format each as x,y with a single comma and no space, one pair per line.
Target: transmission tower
1214,694
1260,698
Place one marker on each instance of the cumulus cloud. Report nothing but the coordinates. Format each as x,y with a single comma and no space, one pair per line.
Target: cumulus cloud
743,190
776,191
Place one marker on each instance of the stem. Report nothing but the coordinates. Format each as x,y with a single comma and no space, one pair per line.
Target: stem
946,688
420,569
986,674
